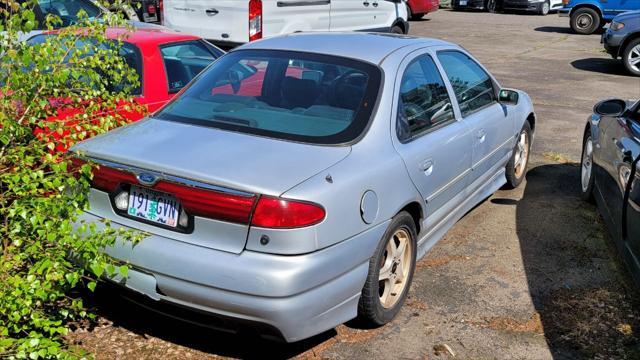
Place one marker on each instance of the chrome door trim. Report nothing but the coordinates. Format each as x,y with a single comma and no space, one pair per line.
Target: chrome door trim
448,185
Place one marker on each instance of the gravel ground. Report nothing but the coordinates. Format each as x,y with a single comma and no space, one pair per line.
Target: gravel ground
529,273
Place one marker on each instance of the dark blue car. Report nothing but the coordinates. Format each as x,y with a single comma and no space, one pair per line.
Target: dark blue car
589,16
622,40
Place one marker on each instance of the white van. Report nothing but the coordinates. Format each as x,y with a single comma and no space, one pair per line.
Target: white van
233,22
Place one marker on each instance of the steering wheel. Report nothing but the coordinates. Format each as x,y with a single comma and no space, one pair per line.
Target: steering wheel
348,80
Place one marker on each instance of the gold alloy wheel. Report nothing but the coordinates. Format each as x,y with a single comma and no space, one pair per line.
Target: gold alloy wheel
395,267
522,154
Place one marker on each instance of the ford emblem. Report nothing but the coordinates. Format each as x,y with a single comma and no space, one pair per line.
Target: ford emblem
147,179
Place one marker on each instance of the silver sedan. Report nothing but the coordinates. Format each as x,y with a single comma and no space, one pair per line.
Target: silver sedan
296,181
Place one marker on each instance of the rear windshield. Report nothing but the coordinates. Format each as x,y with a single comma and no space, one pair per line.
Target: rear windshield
288,95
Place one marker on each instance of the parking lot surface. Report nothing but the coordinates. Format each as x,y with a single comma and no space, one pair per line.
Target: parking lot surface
529,273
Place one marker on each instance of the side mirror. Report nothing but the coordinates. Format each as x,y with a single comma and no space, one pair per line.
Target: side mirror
509,97
611,107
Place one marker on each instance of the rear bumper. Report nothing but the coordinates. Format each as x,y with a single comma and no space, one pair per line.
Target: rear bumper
300,295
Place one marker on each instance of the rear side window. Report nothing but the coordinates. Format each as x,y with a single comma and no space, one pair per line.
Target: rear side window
68,10
183,61
423,103
127,51
287,95
471,84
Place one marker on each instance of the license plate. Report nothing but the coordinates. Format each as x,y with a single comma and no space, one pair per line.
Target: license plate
154,206
463,2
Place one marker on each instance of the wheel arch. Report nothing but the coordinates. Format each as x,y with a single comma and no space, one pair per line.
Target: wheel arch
415,210
591,6
531,119
629,38
402,24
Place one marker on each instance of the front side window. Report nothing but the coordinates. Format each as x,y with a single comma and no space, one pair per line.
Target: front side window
183,61
287,95
68,10
471,84
423,103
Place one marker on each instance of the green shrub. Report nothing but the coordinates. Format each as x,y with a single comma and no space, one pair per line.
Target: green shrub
41,193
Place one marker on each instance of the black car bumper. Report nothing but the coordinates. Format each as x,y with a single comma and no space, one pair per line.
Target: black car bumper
469,4
521,5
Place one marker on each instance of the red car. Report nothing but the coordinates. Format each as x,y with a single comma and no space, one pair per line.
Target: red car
419,8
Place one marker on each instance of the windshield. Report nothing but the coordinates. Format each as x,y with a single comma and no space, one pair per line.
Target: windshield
288,95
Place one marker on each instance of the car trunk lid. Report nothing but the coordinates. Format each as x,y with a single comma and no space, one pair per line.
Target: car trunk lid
224,163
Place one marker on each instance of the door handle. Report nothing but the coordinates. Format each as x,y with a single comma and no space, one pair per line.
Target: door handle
366,3
427,167
482,136
627,155
211,12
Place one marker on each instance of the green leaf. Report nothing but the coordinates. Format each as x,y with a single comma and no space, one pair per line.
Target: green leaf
124,271
92,286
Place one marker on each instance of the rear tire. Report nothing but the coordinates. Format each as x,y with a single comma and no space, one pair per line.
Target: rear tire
517,166
397,30
585,21
544,8
631,57
390,272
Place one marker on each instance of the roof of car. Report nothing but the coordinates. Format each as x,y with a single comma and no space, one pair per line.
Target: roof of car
149,35
371,47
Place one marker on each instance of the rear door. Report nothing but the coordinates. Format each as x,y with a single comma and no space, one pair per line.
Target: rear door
348,15
220,20
434,144
289,16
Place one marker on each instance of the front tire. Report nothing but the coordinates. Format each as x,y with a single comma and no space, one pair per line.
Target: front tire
390,272
517,165
631,57
585,21
586,168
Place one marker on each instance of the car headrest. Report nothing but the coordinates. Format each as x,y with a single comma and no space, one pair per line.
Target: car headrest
299,92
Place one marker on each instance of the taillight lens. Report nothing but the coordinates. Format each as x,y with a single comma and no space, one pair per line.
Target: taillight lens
255,20
209,203
196,201
272,212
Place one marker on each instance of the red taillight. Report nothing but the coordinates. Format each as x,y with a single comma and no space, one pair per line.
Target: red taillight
209,203
196,201
151,9
272,212
255,20
269,212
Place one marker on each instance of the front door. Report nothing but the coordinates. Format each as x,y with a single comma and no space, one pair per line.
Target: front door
434,144
491,123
